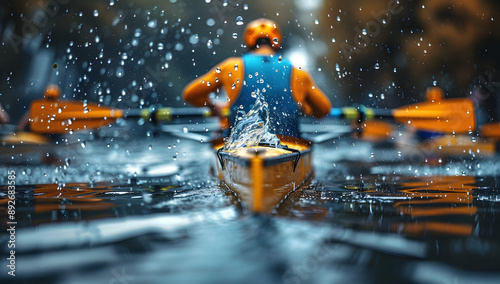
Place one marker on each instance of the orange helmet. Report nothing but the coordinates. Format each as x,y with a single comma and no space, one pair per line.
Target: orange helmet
52,92
262,28
434,94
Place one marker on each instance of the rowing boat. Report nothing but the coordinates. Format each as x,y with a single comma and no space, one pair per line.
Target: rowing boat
262,176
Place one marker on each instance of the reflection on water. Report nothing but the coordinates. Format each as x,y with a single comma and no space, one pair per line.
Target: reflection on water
74,198
418,206
163,220
447,203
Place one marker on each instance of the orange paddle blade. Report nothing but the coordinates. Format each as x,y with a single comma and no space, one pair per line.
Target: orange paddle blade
376,130
491,130
59,117
447,116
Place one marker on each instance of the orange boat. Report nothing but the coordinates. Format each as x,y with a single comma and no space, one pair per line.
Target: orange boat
262,176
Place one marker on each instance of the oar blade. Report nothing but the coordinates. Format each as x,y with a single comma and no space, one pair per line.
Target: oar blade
446,116
491,130
60,117
376,130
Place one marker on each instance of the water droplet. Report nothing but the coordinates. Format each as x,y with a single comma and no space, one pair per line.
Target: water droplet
137,33
208,1
217,70
152,24
96,13
120,71
316,22
179,46
245,7
83,144
150,147
377,66
210,22
235,35
194,39
210,44
276,40
239,20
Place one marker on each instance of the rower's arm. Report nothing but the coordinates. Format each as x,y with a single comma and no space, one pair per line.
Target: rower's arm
312,100
197,92
227,74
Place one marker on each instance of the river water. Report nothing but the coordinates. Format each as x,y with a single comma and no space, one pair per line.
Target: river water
145,208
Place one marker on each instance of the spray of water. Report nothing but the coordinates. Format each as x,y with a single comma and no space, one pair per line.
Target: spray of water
252,128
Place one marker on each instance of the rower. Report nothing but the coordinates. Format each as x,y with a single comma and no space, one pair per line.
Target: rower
288,90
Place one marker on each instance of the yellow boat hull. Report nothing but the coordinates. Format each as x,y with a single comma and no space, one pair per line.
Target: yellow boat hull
262,176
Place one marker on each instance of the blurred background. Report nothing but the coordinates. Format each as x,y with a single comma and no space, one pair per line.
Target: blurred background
127,53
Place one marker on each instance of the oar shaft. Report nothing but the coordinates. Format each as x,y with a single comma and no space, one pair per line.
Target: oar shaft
352,113
166,114
92,114
447,116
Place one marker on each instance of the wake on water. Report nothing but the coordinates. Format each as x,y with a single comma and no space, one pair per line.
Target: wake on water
252,128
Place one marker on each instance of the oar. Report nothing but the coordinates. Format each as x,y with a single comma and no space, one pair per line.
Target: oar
446,116
60,117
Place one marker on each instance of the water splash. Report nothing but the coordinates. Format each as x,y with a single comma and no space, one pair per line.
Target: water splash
252,128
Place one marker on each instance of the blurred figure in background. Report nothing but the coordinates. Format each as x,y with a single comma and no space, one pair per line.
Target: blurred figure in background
4,117
289,91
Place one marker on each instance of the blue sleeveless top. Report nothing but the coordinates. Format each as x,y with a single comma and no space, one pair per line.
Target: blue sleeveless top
272,77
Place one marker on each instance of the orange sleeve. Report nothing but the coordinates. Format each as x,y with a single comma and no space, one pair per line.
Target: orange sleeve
197,92
226,74
308,96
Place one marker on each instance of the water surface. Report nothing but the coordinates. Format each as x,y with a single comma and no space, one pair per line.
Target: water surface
148,210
